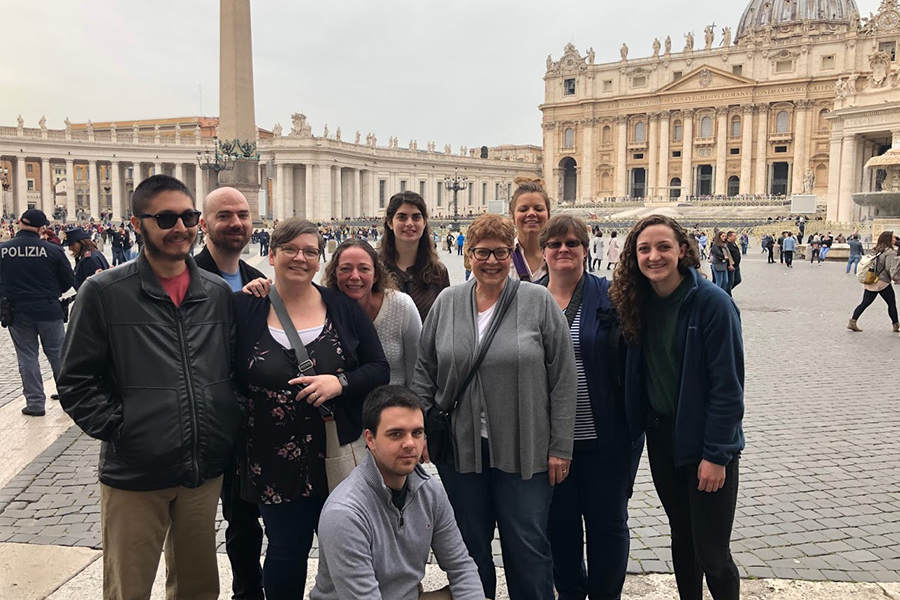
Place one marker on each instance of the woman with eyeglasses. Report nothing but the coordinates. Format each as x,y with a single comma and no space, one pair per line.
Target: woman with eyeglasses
512,423
593,499
356,270
530,209
284,463
408,251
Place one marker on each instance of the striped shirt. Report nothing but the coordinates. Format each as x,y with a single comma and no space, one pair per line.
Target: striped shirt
584,417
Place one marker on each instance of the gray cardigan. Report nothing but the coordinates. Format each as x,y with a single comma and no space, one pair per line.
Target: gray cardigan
369,550
527,382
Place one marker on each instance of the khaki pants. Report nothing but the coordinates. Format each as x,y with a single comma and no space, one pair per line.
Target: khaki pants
135,526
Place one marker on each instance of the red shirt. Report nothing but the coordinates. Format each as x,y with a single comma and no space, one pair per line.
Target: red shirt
176,287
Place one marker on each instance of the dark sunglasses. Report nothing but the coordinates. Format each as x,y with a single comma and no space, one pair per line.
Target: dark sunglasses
167,220
570,244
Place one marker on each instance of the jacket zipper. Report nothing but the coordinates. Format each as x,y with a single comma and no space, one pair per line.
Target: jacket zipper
190,392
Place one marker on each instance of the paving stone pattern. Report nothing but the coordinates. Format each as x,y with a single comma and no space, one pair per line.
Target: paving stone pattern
820,478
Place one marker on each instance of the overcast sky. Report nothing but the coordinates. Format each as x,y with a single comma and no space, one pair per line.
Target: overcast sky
465,72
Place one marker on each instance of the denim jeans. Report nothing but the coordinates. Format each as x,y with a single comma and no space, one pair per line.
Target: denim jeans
735,277
721,279
520,510
824,253
243,539
700,522
289,529
118,255
854,260
25,333
597,489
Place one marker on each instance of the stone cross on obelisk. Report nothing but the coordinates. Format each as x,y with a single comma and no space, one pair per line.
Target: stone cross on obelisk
237,112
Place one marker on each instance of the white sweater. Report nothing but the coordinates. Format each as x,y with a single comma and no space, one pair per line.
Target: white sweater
398,325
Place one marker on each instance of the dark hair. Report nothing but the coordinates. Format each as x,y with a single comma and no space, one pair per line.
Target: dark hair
387,396
613,234
885,241
560,225
630,286
428,267
85,245
528,185
153,186
288,229
384,280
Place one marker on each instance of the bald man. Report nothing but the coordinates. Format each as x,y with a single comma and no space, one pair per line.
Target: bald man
227,224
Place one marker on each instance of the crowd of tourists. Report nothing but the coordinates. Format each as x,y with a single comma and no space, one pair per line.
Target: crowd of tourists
532,388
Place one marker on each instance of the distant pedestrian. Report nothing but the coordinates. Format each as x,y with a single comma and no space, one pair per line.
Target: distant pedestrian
815,252
460,240
856,252
745,242
598,250
721,261
789,246
885,266
612,251
263,242
827,241
734,275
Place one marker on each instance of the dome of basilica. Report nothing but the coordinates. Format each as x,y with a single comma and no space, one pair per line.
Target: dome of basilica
763,13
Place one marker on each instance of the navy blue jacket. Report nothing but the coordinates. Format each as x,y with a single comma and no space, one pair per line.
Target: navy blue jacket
34,273
711,390
88,265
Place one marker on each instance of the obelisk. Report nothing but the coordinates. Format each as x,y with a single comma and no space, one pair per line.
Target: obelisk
237,111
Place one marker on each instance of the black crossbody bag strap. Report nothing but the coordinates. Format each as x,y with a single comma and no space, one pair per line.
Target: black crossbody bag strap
502,307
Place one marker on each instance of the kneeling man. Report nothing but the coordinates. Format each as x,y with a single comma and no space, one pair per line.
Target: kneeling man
378,526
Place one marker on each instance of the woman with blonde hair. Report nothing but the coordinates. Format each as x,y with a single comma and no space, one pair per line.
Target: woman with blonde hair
356,270
496,355
530,210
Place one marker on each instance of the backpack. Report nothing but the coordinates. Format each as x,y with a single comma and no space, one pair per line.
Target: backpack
866,272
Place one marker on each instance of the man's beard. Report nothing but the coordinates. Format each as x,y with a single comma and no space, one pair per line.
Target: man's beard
151,248
225,242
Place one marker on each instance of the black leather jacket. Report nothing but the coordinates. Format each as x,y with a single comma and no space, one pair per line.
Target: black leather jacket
151,380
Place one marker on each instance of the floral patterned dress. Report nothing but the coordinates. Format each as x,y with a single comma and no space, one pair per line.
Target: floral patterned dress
286,437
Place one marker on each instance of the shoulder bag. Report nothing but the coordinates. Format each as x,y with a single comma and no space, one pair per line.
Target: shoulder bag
438,430
339,460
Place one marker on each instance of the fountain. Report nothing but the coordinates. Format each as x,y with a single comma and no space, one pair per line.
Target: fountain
886,203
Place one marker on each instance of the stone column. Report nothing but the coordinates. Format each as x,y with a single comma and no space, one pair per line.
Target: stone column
200,178
721,149
136,176
288,191
118,211
587,160
652,156
849,150
762,151
746,147
687,153
47,189
21,187
70,190
622,156
158,169
663,170
337,194
179,172
94,189
356,190
834,178
311,187
278,206
801,154
323,198
550,145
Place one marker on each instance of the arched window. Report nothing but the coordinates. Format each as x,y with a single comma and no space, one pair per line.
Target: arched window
640,132
734,185
569,141
675,187
782,122
677,131
706,127
735,127
606,136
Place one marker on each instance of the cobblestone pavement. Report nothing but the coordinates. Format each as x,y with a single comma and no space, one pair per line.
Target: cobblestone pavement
819,498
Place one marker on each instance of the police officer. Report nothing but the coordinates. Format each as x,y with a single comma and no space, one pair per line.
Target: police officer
88,260
34,273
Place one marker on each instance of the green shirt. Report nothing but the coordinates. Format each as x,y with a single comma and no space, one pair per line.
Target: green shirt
662,356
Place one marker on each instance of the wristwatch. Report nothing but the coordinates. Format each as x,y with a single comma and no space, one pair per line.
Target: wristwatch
343,379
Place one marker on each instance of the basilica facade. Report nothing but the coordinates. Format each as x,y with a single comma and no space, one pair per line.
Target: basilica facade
796,99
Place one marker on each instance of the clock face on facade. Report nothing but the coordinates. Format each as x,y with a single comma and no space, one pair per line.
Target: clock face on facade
889,20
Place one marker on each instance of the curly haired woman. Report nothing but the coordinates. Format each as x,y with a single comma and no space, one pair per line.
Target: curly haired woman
685,371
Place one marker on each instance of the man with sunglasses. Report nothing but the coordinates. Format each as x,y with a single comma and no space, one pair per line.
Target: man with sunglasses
146,368
228,226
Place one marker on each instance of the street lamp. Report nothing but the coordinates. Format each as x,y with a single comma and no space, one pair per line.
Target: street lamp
455,184
217,160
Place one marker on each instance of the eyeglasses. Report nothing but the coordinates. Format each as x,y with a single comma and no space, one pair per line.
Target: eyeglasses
570,244
167,220
485,253
292,251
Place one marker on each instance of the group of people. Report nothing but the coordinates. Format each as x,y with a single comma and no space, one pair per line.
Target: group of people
536,382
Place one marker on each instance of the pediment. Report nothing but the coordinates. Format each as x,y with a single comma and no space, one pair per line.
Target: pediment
706,78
